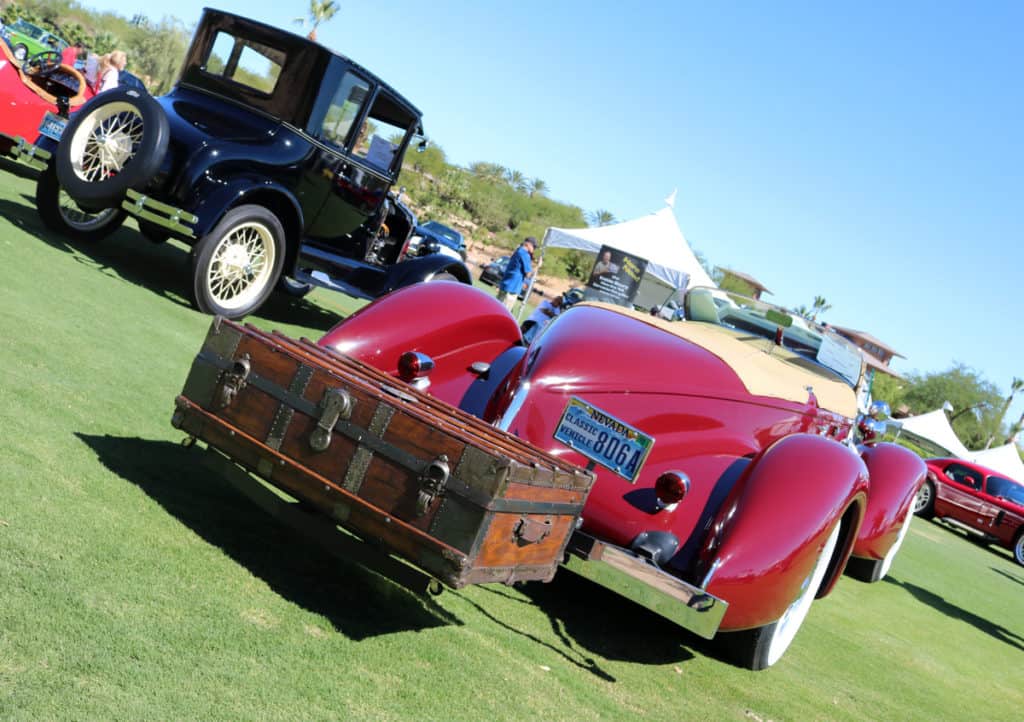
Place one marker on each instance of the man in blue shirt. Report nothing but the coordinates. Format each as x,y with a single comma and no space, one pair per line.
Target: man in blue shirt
516,272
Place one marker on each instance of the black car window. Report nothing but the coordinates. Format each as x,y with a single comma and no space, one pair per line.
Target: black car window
344,109
964,475
245,62
383,132
1005,489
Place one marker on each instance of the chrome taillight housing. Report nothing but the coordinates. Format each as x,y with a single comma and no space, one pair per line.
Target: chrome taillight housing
414,366
672,487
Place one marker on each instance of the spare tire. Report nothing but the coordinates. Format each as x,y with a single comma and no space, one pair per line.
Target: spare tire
116,141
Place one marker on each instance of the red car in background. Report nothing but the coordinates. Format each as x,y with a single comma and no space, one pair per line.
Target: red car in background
32,92
976,499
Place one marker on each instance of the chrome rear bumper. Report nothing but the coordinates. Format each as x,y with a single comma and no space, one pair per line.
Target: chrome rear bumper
643,582
24,152
144,208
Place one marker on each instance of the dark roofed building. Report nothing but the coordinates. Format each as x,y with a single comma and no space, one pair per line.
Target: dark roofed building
877,354
755,287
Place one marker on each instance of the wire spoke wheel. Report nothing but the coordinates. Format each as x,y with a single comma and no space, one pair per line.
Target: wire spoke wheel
79,219
106,142
241,265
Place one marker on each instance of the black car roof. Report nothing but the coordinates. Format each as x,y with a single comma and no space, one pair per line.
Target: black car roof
300,39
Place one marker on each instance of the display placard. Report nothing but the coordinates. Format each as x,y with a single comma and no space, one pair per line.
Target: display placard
616,276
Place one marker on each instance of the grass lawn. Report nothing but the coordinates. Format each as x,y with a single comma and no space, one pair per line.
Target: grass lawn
134,584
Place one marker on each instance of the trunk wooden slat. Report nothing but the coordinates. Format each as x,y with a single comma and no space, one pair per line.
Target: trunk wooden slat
463,501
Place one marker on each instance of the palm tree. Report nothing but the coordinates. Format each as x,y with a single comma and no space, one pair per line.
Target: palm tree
600,217
820,306
1016,429
487,171
320,11
1016,386
536,187
516,179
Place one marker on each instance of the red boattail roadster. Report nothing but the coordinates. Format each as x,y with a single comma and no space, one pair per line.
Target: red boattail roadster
729,494
36,96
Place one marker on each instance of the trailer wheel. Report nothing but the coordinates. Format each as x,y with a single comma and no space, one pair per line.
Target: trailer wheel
236,265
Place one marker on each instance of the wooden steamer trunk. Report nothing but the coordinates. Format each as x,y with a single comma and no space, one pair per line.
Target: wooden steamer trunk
461,500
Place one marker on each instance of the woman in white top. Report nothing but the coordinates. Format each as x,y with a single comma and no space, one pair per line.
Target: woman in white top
110,67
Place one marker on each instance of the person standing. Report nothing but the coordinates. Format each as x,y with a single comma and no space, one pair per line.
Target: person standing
540,318
110,69
519,268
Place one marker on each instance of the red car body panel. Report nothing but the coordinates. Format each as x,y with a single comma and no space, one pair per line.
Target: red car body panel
776,522
24,103
769,477
977,508
890,500
455,328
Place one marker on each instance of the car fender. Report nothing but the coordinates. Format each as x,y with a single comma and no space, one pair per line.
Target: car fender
455,324
424,268
215,198
765,539
895,475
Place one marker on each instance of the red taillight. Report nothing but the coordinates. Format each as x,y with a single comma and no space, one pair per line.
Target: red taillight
413,365
671,487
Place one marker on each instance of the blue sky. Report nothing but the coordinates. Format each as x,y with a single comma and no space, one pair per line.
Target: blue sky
867,152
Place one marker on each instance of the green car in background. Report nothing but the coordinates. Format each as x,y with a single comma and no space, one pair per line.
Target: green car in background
27,39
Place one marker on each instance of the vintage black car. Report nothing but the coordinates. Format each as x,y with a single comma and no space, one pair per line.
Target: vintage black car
272,156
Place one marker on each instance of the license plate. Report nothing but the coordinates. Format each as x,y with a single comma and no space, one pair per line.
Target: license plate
603,439
52,126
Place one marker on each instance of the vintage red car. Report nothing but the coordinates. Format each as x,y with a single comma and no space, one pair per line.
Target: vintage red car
975,499
38,96
729,493
32,89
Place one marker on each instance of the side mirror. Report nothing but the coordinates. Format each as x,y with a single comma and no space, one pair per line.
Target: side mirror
423,145
879,410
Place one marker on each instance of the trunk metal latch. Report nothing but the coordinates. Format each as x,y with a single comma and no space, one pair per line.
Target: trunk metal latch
531,531
233,381
432,482
336,404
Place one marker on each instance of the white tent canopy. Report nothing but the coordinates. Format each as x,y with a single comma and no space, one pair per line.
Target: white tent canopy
1003,459
655,237
935,427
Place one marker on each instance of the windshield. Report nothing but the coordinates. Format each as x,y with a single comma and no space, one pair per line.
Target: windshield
805,338
998,486
28,29
443,231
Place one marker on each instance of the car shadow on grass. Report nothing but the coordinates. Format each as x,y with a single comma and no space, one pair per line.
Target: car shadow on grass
940,604
586,616
1011,577
162,268
357,602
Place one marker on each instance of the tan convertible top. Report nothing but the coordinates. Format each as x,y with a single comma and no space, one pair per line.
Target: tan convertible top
780,374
